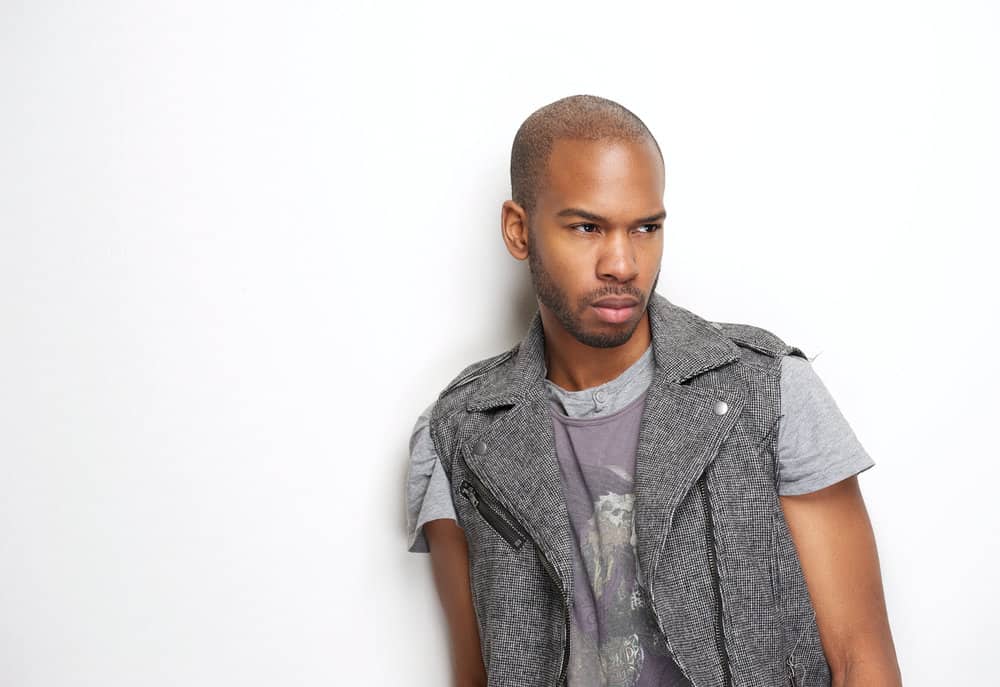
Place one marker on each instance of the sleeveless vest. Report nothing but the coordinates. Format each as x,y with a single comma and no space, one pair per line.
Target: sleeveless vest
716,562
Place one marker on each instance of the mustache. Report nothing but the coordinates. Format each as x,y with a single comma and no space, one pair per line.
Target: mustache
629,293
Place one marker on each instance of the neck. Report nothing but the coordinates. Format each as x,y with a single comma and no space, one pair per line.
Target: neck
575,366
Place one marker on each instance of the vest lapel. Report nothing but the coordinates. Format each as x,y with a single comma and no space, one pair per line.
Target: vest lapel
672,454
516,456
680,432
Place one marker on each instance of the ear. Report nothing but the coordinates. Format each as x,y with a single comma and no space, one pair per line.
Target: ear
514,227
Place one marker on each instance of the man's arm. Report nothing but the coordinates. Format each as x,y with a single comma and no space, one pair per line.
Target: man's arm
450,564
836,546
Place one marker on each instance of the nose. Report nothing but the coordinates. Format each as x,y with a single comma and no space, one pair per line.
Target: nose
618,259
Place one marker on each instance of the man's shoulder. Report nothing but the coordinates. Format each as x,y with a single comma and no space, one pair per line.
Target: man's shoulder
758,339
478,370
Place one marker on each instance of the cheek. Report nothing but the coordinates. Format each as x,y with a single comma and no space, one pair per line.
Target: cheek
653,256
566,264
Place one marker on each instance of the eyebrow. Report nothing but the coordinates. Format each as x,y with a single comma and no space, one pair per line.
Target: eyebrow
577,212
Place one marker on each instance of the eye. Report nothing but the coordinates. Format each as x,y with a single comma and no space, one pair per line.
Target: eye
653,228
577,226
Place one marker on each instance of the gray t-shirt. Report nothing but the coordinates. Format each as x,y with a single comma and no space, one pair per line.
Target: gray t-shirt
816,445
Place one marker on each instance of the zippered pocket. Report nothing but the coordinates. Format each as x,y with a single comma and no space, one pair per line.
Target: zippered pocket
494,514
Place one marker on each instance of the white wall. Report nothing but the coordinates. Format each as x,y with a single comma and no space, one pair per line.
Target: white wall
243,244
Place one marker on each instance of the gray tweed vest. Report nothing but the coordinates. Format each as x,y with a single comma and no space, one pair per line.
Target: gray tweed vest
716,561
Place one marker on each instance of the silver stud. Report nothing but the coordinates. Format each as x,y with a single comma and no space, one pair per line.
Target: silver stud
721,407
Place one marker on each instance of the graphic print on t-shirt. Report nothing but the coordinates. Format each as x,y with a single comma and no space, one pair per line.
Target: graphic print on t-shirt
615,640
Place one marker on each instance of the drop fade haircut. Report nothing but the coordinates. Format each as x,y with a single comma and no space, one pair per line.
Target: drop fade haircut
586,117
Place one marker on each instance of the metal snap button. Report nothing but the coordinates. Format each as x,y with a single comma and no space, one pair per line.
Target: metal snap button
480,448
721,407
599,396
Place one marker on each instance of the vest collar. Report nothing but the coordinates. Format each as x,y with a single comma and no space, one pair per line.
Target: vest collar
684,345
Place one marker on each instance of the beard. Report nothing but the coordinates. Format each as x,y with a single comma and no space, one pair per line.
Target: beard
556,300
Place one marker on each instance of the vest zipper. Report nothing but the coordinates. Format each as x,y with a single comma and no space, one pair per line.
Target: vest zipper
515,535
555,580
511,533
647,589
720,640
793,679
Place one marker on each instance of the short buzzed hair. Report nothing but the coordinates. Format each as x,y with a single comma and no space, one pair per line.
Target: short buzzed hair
586,117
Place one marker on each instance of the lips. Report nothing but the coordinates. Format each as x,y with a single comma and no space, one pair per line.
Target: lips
616,302
615,310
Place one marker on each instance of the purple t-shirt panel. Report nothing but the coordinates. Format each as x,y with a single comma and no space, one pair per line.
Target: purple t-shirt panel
614,641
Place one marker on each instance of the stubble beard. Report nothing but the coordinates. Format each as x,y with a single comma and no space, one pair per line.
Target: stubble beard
556,300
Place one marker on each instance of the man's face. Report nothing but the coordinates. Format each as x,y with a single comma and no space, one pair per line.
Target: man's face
596,233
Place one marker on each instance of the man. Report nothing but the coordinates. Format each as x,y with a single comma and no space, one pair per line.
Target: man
633,495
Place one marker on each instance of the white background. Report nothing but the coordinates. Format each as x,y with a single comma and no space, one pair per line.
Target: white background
242,245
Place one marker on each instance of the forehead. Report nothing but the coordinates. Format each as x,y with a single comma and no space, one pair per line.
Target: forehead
616,176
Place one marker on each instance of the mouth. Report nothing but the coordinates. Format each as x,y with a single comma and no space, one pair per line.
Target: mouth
615,310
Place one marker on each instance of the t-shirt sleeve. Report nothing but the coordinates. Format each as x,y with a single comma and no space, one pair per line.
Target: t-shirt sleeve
428,492
816,445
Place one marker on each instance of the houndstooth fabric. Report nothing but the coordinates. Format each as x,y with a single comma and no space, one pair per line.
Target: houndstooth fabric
705,491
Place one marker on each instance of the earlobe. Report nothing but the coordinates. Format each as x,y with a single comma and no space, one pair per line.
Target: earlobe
514,228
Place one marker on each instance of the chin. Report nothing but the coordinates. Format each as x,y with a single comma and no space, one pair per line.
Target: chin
607,334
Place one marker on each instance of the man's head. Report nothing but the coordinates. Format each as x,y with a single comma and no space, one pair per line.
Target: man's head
587,182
